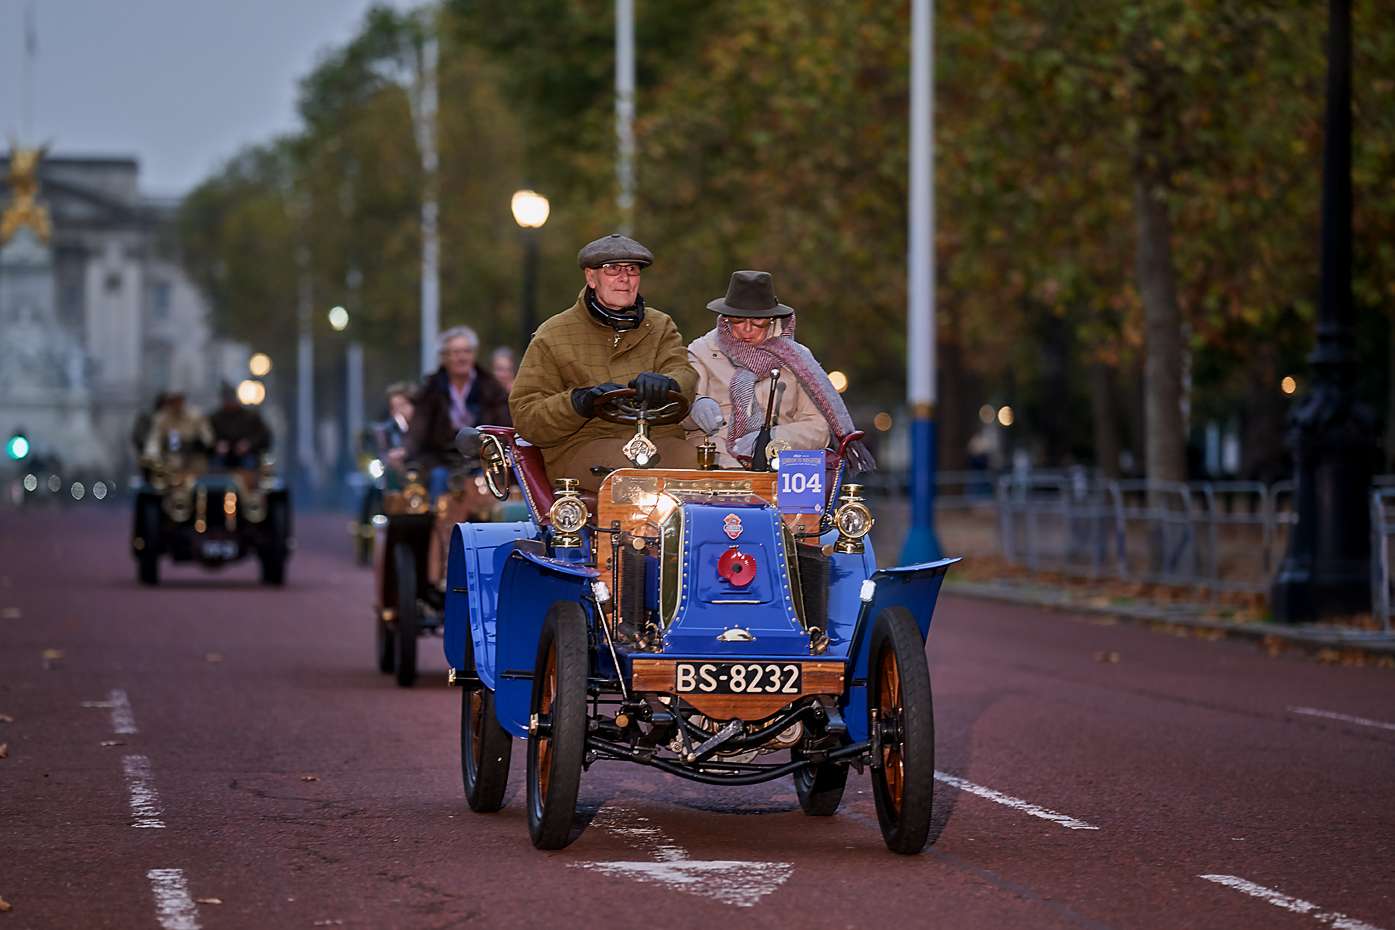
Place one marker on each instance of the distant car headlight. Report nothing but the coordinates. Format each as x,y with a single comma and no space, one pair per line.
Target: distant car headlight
375,468
31,483
568,514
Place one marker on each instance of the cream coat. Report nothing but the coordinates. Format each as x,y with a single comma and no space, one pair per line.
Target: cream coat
797,421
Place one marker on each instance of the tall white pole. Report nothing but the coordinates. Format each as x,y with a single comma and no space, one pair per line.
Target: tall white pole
305,374
921,543
625,111
425,117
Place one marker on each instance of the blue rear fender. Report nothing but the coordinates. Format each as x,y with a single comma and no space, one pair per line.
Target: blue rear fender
529,585
914,587
477,553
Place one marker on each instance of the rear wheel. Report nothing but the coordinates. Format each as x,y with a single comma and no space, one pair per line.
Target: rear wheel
820,787
148,532
557,742
898,686
408,621
485,751
387,646
272,554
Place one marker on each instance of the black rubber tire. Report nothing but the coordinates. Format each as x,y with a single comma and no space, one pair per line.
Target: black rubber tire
554,761
272,555
408,623
148,528
905,795
486,749
820,787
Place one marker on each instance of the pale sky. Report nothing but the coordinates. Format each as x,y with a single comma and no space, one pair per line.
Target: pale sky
179,84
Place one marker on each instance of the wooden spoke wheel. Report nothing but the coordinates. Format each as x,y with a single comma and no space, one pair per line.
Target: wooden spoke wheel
899,707
557,742
485,751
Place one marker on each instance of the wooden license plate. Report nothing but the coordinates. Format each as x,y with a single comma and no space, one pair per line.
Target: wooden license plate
738,678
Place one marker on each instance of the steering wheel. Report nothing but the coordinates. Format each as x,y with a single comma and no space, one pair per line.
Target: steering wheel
620,406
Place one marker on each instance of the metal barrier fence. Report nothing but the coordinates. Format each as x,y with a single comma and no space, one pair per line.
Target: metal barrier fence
1220,536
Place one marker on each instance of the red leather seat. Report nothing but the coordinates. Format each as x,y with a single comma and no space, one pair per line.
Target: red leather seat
835,461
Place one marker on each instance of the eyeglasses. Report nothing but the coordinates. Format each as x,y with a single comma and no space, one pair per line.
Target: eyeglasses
616,269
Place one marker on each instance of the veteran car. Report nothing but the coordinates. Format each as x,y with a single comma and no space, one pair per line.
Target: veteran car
726,626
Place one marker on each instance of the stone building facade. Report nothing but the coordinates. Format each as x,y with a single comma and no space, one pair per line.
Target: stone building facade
122,320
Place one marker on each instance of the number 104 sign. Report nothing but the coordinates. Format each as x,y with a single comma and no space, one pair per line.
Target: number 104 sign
799,481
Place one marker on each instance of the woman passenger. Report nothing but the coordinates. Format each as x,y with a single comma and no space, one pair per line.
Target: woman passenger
755,334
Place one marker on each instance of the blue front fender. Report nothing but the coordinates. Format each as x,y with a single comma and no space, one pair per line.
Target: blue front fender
914,587
530,584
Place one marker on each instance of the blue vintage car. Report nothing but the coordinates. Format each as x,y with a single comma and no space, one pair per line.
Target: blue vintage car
681,619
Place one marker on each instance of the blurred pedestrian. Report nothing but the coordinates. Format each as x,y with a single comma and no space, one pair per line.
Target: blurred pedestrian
753,336
460,393
504,365
240,435
140,429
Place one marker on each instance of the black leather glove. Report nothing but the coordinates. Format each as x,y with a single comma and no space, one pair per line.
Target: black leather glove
584,399
652,388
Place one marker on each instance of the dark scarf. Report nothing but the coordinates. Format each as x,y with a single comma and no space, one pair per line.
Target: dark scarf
753,364
618,320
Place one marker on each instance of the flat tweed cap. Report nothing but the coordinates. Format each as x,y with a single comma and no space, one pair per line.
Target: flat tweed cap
613,248
750,294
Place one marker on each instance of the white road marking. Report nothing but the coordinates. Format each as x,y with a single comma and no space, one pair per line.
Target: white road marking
1296,905
174,909
730,881
1026,807
1345,718
122,720
140,784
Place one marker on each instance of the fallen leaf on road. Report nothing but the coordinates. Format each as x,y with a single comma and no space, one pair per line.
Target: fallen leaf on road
4,750
213,657
52,657
309,778
208,900
9,613
5,905
113,742
6,718
329,923
1110,657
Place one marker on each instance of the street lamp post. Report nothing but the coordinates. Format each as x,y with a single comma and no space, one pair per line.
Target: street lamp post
922,545
1326,571
625,112
530,212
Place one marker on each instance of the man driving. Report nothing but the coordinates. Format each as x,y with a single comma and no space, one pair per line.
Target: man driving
607,340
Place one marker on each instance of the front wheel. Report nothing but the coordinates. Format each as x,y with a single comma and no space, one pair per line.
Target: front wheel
485,751
148,532
408,621
273,553
557,738
898,700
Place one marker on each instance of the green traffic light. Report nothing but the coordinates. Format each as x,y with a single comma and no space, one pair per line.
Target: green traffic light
18,447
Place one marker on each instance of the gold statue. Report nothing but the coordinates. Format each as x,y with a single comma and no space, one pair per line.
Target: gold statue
24,208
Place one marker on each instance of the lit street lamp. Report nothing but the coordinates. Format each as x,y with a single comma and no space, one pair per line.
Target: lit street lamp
338,319
530,212
259,364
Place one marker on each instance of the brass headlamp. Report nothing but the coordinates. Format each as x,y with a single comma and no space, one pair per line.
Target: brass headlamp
568,513
853,519
414,495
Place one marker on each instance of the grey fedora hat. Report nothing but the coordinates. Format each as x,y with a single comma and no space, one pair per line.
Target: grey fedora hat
750,294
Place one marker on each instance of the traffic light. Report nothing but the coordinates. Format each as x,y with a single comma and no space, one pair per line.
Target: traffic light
17,447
